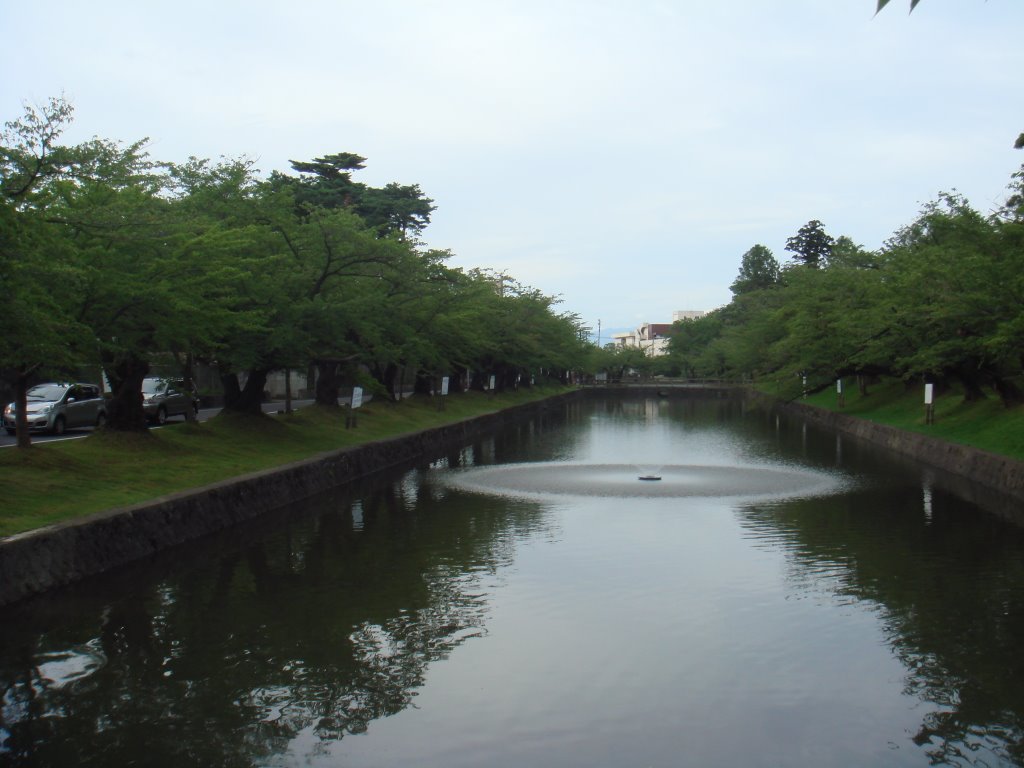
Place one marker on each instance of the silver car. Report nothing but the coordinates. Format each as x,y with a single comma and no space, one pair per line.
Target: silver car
163,398
56,407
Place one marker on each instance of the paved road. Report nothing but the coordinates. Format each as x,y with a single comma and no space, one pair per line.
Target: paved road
7,441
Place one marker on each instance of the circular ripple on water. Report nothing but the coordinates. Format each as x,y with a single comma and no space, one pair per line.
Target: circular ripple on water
623,480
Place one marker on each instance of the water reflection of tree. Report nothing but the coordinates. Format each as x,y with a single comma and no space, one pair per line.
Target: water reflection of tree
949,579
313,633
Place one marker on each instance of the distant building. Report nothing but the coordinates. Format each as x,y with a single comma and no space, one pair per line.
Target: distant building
653,337
687,314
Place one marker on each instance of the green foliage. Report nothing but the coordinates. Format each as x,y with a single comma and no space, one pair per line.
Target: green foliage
942,301
395,209
40,332
758,270
811,245
111,258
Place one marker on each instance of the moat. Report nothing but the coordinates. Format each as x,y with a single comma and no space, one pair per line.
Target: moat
782,596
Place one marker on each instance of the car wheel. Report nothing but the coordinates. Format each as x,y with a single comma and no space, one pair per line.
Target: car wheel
161,415
58,425
101,420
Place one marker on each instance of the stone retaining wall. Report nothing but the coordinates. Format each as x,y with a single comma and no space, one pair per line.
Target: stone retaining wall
999,473
60,554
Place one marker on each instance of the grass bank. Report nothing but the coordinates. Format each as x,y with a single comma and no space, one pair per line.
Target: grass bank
58,481
986,424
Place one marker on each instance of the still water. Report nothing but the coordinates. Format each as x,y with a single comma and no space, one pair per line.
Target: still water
781,597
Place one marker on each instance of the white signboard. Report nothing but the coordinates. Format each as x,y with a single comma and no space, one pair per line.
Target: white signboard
839,386
492,384
357,397
929,393
444,385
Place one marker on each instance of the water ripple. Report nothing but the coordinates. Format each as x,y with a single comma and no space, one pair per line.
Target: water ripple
625,480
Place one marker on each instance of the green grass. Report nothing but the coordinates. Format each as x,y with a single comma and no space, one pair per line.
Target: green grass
986,424
53,482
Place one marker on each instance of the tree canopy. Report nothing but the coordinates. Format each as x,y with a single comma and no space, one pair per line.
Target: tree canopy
114,261
941,301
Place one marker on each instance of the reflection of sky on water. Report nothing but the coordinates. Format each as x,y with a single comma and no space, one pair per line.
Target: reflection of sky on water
643,636
873,621
60,668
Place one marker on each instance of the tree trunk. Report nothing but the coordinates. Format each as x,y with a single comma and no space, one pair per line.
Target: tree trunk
124,408
21,414
287,390
328,383
972,388
425,384
229,384
391,376
479,381
1009,392
457,381
248,399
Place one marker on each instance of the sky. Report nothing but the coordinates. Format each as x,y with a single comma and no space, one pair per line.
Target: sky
622,156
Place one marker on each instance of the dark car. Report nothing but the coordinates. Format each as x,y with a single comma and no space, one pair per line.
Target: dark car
164,398
55,407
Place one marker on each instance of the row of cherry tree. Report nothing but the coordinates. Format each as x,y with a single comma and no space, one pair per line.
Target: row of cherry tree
110,258
941,301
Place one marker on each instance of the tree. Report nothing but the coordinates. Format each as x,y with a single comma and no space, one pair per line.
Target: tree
122,226
327,180
847,253
959,281
758,270
394,209
618,360
231,269
38,333
826,317
811,245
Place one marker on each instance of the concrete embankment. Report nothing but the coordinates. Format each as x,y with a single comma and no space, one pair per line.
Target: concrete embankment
68,552
1000,474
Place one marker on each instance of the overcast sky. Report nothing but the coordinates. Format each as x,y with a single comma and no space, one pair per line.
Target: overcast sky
622,155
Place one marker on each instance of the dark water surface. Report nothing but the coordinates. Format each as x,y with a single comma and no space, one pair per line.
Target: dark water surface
784,597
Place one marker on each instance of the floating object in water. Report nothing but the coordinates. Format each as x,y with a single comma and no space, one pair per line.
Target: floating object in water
650,477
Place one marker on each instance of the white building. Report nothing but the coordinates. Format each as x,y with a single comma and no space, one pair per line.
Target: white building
653,337
687,314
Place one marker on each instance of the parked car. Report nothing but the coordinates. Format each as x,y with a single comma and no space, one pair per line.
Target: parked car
163,398
55,407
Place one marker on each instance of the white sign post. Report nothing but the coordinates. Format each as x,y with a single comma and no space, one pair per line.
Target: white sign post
492,382
356,402
839,393
444,393
929,403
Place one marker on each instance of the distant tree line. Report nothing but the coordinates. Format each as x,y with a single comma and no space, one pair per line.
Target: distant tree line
110,258
941,301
